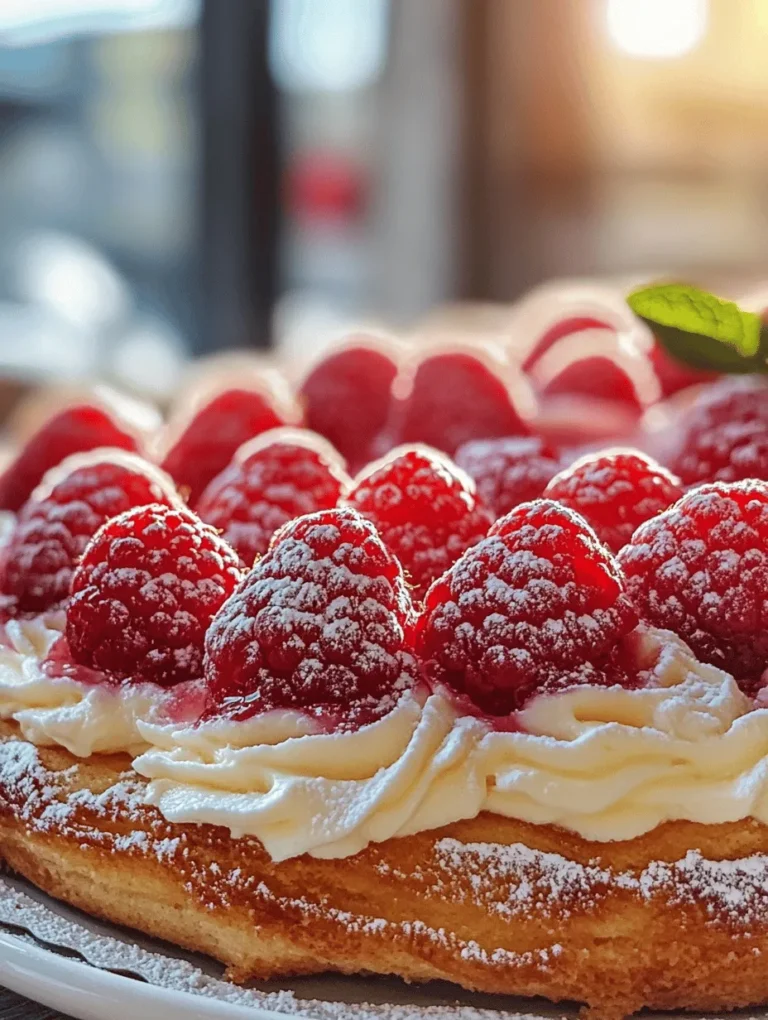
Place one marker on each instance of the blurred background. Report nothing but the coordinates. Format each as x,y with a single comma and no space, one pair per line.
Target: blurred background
179,177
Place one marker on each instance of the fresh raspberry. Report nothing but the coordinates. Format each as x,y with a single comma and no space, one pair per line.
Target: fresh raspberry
725,434
615,491
424,508
458,396
75,430
273,478
725,453
741,398
70,505
208,440
539,603
323,623
347,397
565,327
508,472
598,364
674,375
596,376
700,569
146,589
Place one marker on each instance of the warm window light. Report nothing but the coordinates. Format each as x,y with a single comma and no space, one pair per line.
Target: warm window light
657,29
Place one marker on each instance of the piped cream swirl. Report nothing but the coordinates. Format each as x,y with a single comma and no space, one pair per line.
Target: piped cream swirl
328,794
84,718
607,763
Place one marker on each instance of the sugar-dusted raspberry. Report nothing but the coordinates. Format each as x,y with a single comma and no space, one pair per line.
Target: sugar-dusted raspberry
323,623
144,594
700,569
273,478
67,508
565,327
461,395
725,434
725,453
538,603
615,491
205,442
74,430
739,398
424,508
510,471
347,396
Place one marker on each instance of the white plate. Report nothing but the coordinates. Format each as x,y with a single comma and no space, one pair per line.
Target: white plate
88,993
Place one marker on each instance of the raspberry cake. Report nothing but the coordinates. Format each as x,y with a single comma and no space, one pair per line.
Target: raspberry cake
511,735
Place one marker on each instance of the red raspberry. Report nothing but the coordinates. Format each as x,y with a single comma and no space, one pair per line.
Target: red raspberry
70,506
573,324
741,398
539,603
74,430
508,472
347,397
206,442
596,377
458,396
146,589
425,510
615,491
599,364
674,375
323,623
273,478
725,434
725,453
701,570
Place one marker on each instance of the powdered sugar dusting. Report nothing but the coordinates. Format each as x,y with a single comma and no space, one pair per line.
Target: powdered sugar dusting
508,471
508,880
321,620
537,881
538,597
701,570
425,510
58,927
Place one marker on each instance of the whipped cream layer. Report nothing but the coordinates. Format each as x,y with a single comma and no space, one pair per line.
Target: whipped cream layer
327,794
85,718
607,763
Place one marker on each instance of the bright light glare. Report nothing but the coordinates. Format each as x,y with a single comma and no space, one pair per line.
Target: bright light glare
657,29
327,45
71,279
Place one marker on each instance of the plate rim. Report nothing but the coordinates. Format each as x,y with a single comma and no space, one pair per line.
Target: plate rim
31,970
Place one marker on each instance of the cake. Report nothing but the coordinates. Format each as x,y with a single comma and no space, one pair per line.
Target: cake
504,726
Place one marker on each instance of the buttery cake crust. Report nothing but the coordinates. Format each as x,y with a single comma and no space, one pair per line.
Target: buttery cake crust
675,919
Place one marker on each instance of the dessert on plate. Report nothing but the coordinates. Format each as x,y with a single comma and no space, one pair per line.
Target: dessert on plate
507,730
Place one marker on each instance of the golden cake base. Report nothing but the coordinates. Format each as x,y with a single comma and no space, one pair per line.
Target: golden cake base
676,919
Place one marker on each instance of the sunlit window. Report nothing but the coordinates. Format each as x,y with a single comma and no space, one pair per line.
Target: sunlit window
657,29
327,45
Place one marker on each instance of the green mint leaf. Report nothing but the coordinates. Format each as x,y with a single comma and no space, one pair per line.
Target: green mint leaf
703,330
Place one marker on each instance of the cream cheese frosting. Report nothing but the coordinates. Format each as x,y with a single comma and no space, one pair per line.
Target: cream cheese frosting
84,718
607,763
